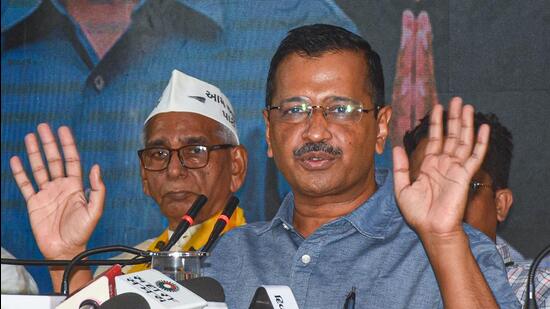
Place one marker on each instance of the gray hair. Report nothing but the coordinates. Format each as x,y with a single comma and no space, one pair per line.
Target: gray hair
226,135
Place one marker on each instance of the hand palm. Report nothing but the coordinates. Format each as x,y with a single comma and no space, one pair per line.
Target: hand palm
59,216
430,202
435,202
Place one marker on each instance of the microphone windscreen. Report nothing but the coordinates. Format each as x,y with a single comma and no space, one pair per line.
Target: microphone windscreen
126,301
207,288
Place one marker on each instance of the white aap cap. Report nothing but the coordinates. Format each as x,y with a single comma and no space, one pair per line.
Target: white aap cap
185,93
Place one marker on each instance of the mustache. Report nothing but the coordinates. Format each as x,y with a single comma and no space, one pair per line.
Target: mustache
317,147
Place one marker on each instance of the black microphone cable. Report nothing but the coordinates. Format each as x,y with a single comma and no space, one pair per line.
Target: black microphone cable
158,247
33,262
222,221
186,221
84,254
531,301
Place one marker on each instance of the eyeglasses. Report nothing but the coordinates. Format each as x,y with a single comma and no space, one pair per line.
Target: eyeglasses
190,156
335,110
476,186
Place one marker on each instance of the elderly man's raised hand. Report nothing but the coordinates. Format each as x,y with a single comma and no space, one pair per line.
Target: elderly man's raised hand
435,202
61,216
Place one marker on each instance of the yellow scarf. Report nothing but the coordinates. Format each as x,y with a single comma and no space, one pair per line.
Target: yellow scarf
198,239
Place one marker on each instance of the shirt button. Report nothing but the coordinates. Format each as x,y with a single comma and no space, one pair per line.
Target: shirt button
286,227
99,82
306,259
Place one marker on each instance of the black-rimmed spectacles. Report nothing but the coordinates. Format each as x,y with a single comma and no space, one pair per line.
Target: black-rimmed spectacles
191,156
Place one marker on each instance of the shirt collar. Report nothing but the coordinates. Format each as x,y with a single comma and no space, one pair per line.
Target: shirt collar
504,252
372,219
14,14
209,8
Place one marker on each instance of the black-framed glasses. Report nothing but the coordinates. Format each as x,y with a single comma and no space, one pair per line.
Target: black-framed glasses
191,156
475,186
335,110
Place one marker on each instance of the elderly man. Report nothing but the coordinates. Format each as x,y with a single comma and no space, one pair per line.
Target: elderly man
490,198
340,228
191,148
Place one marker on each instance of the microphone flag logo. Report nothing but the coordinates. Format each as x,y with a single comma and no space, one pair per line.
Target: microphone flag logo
167,286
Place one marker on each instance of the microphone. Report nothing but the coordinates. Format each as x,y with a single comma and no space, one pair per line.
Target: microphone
126,300
531,301
159,290
273,296
207,288
186,221
149,289
95,292
222,221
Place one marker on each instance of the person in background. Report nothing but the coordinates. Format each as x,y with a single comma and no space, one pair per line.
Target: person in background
490,197
191,148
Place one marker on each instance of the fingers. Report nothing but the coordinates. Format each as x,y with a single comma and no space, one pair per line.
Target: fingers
97,194
458,141
403,85
454,126
435,135
400,170
425,76
53,157
473,163
35,159
55,168
466,141
21,178
70,152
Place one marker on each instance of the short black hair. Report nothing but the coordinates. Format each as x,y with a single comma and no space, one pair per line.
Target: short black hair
318,39
498,158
